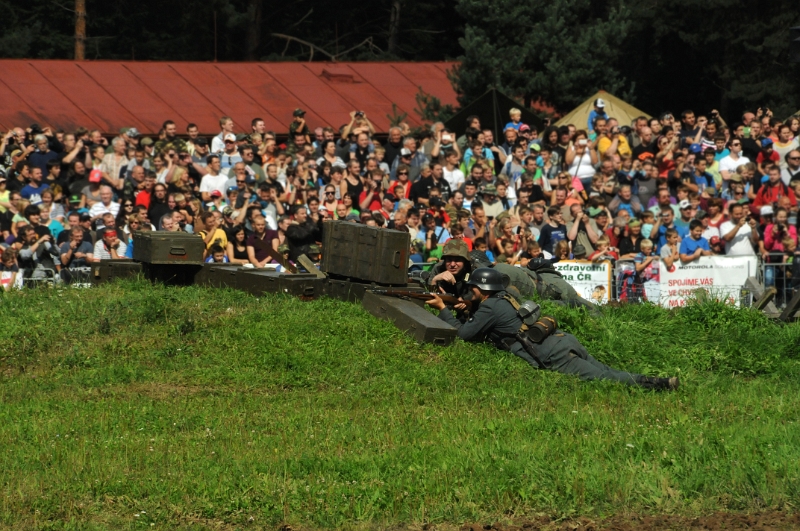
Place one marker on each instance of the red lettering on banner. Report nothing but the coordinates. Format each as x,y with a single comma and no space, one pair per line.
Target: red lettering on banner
691,282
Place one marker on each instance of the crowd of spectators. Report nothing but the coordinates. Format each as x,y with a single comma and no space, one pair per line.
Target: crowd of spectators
663,189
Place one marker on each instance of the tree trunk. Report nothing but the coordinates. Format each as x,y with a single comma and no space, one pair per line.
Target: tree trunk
394,27
80,30
253,30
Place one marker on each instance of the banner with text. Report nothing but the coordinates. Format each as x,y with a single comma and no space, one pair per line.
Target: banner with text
721,276
591,280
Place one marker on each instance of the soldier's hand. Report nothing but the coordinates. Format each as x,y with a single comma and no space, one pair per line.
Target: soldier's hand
461,306
447,276
435,302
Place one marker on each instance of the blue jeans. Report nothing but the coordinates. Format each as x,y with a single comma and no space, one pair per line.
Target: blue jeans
769,275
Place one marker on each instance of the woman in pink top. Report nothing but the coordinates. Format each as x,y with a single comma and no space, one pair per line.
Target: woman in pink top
777,231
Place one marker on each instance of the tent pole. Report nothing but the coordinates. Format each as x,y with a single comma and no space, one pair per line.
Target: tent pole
495,111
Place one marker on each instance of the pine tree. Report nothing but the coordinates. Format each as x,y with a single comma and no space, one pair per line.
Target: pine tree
559,51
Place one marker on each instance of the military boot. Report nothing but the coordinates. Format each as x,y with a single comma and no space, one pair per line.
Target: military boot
659,384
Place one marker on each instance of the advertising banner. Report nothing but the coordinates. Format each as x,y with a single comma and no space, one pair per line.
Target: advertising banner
591,280
722,277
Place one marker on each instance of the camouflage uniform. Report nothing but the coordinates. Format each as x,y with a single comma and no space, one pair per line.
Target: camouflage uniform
452,248
178,144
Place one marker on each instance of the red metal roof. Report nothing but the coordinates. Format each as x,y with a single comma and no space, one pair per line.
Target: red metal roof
108,95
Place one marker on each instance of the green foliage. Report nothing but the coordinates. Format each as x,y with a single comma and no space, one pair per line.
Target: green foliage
182,30
131,404
727,54
396,118
702,336
559,51
430,108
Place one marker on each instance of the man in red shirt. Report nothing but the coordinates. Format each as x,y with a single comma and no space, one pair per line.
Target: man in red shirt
144,195
767,156
372,196
772,191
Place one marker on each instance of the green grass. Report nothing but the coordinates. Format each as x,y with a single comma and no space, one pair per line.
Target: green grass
131,405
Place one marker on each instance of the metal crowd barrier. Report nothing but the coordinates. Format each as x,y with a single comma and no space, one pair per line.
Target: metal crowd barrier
783,276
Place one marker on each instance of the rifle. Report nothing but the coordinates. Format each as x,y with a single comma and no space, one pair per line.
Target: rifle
405,294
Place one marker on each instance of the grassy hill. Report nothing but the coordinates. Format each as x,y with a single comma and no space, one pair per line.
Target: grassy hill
131,405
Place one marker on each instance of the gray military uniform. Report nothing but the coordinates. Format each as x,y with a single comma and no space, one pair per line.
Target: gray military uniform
496,319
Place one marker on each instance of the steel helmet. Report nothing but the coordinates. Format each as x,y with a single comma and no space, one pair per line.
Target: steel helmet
487,279
479,259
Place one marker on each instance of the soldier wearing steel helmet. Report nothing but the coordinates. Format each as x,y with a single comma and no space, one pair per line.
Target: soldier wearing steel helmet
500,319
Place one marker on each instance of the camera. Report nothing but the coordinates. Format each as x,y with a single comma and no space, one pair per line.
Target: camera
359,113
36,129
615,131
781,227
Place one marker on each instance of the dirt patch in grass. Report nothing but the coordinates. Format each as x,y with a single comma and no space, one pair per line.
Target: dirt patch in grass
764,521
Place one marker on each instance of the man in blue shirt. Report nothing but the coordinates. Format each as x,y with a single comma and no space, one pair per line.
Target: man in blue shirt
32,192
695,245
599,111
666,221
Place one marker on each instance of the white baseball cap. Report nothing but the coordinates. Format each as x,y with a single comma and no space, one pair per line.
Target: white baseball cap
599,102
766,210
684,204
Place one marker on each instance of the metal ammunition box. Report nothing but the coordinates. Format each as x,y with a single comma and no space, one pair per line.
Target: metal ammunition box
171,274
107,270
216,275
417,322
357,252
306,286
257,282
168,248
260,282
